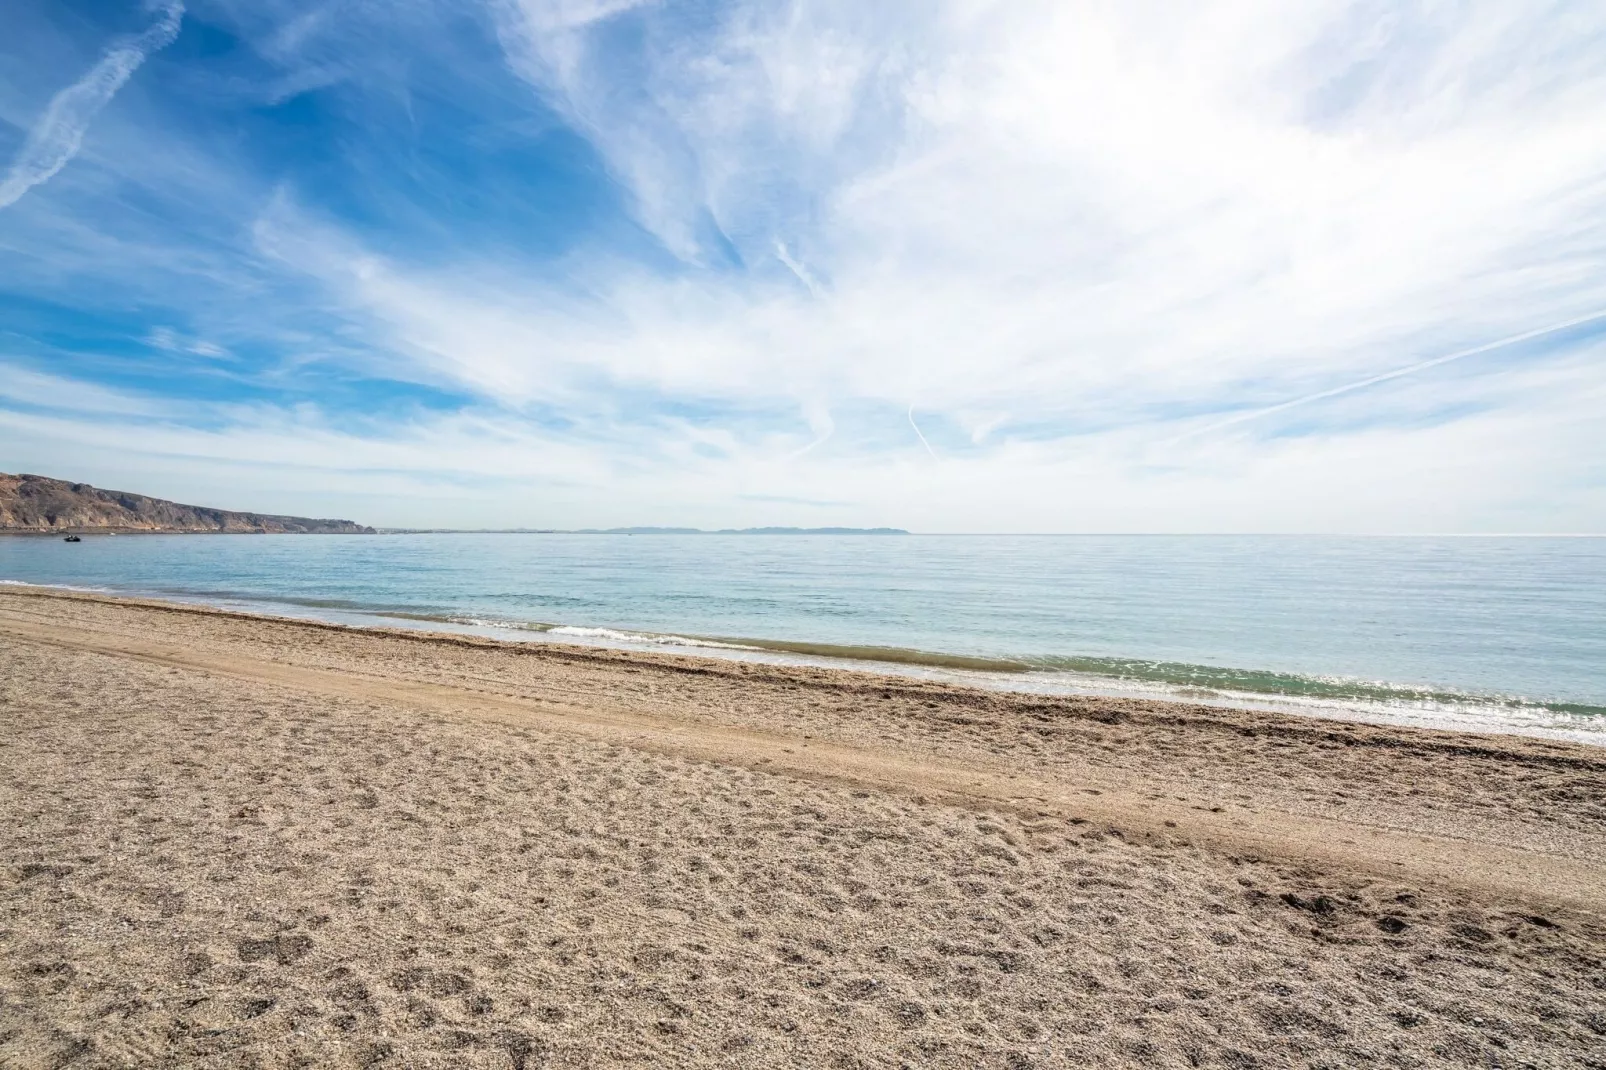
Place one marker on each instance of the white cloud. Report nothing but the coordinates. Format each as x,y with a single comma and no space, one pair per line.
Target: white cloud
1491,469
1064,187
172,341
40,389
56,137
1080,212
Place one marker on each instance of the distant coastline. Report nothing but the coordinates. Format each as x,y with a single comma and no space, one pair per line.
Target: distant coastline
643,531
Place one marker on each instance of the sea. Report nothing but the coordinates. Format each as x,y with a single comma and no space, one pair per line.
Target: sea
1504,634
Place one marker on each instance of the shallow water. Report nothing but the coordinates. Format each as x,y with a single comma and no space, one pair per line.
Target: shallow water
1476,632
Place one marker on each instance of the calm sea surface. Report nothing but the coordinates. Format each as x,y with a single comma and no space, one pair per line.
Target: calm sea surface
1504,633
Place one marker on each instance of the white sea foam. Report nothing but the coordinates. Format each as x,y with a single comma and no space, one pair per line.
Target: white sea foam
613,635
59,587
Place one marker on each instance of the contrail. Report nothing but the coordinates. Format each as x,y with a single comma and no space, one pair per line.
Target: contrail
923,441
797,268
1397,373
57,135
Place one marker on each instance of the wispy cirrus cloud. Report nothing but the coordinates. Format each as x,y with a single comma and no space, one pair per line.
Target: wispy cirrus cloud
40,390
1047,208
55,138
494,468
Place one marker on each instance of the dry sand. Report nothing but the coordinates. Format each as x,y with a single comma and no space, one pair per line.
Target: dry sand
233,841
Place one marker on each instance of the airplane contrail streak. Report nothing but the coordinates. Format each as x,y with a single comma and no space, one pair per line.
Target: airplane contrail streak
1384,377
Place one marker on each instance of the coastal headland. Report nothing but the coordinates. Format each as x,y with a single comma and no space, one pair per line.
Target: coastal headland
237,840
32,504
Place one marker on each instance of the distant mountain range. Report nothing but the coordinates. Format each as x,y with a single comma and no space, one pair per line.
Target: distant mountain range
645,531
741,531
40,504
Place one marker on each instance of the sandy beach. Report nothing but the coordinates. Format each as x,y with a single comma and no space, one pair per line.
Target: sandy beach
236,841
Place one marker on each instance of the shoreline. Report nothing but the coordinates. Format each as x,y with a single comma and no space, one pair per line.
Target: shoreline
255,648
242,838
1351,700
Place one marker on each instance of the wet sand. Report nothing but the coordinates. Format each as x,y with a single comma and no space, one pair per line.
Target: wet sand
236,841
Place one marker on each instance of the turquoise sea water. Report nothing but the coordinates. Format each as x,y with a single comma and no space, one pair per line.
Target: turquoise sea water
1498,633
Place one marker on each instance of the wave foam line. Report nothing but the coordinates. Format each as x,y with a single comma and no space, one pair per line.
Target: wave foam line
58,587
656,638
1179,679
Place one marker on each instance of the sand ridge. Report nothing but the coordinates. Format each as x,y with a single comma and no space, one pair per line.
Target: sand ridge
252,842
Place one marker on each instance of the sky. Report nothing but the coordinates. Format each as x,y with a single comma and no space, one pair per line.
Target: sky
948,265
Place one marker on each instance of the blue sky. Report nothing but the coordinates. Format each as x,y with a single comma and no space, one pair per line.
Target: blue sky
954,266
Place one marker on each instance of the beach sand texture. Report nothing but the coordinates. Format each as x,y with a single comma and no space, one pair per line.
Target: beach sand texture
235,841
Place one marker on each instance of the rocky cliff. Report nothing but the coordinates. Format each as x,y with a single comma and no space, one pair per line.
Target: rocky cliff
36,503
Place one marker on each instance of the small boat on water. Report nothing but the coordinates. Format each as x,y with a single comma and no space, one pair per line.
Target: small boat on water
72,538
